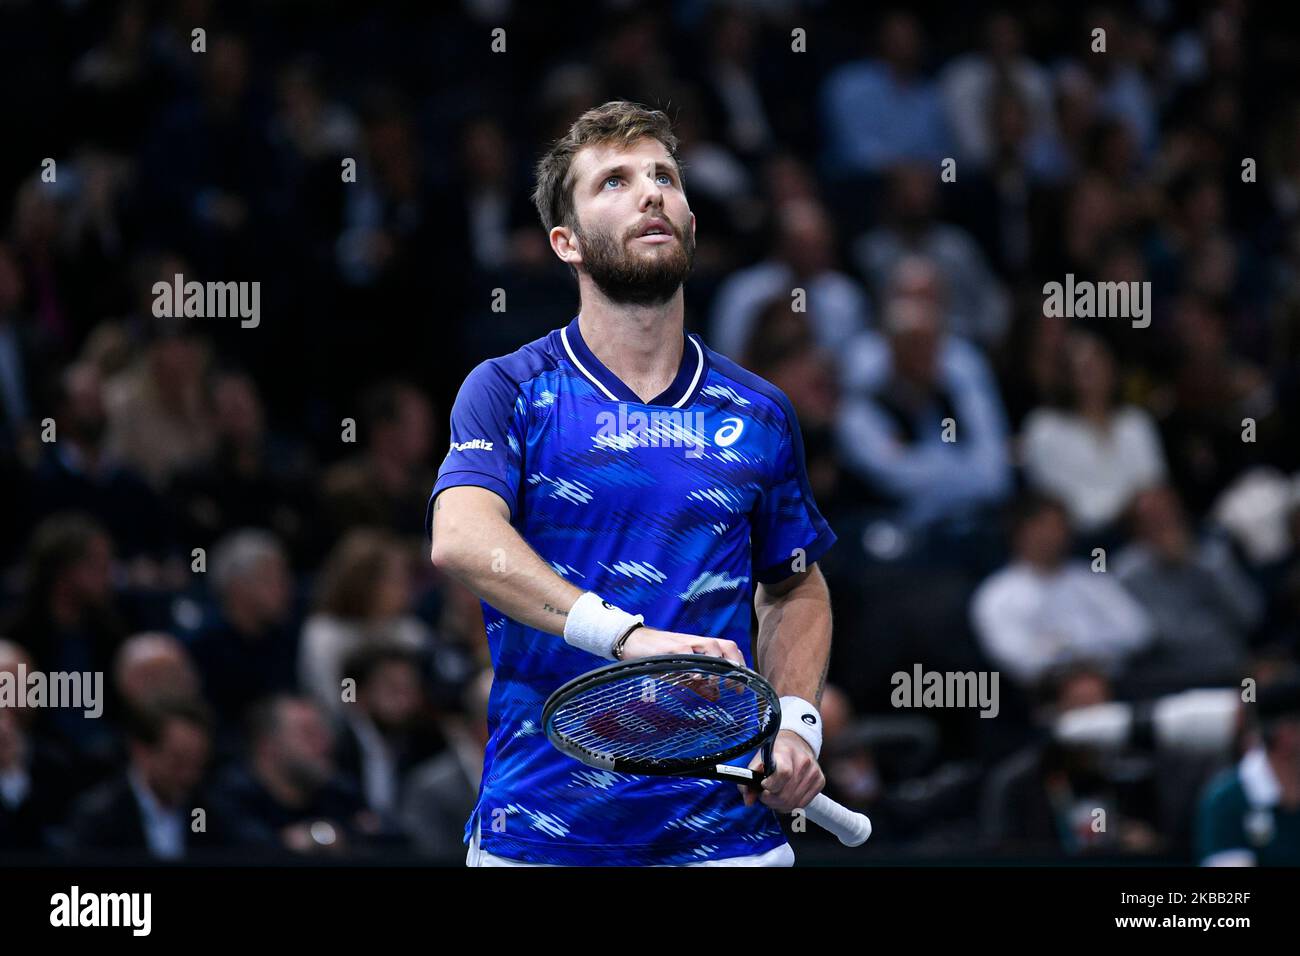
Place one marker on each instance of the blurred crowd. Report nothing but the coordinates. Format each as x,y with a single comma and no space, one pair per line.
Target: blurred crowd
226,521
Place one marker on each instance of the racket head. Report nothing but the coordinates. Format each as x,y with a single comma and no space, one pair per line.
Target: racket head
668,715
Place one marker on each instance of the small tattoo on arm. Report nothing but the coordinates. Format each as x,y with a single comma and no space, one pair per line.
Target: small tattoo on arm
554,610
821,683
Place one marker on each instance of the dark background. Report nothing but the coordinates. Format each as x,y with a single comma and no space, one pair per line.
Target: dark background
376,301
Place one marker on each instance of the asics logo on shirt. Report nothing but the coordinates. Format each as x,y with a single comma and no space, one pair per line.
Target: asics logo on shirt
729,432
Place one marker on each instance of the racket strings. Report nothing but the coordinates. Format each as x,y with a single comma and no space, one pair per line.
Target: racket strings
666,716
615,697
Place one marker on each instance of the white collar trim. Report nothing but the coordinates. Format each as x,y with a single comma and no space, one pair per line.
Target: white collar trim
564,337
699,369
686,395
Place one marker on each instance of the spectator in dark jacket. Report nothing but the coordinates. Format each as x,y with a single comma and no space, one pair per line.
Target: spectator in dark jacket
155,806
69,622
36,782
387,729
289,795
249,649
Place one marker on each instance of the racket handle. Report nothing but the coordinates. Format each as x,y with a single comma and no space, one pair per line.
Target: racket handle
851,827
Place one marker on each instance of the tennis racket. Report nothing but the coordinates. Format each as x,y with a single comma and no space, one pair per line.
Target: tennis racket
680,716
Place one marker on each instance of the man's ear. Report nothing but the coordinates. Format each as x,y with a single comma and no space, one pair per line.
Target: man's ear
564,243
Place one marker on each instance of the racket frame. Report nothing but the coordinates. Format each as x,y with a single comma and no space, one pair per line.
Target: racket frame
710,766
852,828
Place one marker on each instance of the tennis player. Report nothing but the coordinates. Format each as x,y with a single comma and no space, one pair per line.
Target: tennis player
616,490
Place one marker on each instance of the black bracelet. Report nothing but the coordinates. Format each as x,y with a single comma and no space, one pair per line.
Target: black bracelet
618,645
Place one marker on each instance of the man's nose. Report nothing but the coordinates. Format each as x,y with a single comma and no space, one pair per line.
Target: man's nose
652,195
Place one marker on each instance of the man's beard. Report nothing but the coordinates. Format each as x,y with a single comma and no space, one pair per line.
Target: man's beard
629,278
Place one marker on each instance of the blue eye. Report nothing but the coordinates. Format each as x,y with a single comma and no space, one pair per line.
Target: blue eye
612,179
668,179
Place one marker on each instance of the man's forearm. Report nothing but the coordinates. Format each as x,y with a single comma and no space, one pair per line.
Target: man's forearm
474,542
794,638
493,560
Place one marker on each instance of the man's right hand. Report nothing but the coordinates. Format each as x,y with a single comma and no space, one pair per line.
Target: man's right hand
648,641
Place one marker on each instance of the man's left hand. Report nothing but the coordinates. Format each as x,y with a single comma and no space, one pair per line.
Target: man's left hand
797,779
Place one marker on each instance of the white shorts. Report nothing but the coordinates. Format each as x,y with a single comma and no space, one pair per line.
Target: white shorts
782,855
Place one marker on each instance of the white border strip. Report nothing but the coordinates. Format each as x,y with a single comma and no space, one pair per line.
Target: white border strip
699,369
564,337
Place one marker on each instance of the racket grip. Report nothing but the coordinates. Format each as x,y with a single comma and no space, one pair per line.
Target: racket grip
851,827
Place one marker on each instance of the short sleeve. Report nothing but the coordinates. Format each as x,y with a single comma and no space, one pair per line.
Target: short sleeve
788,533
488,430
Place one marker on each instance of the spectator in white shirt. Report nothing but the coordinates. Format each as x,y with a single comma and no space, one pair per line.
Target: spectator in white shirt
921,422
364,598
969,84
1043,611
803,257
1095,454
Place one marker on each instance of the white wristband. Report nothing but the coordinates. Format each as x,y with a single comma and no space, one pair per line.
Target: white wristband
802,717
594,625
